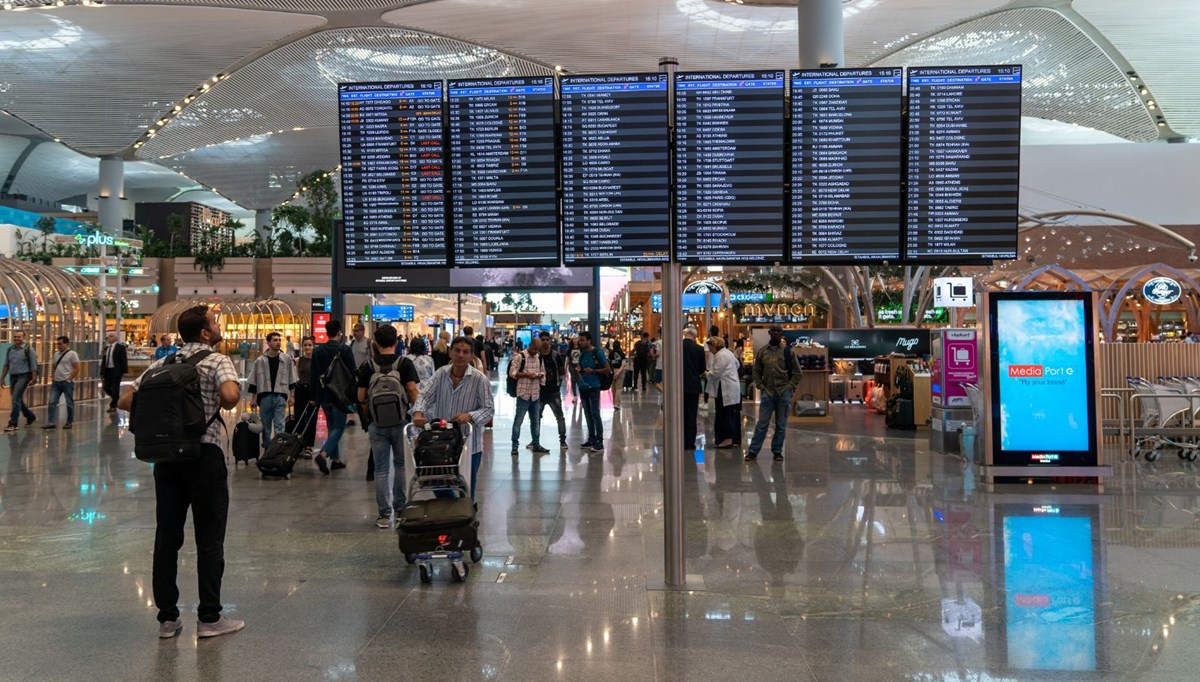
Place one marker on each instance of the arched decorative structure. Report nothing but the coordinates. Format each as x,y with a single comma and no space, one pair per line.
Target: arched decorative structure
46,303
241,318
1068,280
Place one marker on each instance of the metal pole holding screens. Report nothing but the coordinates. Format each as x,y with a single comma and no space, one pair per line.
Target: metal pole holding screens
675,560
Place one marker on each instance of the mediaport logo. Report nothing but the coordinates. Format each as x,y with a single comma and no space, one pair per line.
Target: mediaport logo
1038,371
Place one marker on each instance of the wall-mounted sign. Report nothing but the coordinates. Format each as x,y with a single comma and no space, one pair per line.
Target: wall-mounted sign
704,286
954,292
890,314
749,297
321,304
1162,291
855,344
318,327
392,313
956,362
692,302
783,312
1043,374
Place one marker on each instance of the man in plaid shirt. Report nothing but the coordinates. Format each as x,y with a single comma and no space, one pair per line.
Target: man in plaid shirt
199,484
527,369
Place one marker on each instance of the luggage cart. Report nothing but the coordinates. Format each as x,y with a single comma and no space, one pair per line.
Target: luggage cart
439,480
1168,420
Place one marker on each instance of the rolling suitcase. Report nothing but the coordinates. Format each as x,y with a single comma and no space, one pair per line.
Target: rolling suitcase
837,390
245,443
438,525
285,448
856,390
630,377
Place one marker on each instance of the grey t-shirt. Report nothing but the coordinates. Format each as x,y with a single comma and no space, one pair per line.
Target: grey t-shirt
66,366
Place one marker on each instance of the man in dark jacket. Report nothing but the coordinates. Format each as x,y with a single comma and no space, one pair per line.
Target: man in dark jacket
325,355
693,370
114,364
776,376
555,367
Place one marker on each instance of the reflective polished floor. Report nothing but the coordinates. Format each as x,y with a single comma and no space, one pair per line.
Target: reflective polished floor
864,556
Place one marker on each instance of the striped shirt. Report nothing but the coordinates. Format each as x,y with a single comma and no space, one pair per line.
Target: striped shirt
529,389
441,399
214,370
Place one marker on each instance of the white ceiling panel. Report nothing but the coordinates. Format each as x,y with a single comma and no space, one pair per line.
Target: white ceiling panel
261,172
54,173
1067,77
314,6
96,77
295,86
11,147
875,27
1159,39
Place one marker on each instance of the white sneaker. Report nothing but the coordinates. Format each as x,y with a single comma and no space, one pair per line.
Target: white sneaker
225,626
383,522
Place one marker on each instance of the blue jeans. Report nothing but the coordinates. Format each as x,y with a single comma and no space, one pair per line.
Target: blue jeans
535,420
389,470
335,421
591,414
274,411
19,383
61,388
767,405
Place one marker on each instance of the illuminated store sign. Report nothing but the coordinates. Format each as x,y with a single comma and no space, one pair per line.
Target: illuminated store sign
1162,291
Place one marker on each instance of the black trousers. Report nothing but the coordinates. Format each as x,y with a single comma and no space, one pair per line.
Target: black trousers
553,400
201,485
112,386
641,374
727,424
691,412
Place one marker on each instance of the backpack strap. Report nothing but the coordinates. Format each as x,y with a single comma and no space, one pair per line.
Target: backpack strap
193,360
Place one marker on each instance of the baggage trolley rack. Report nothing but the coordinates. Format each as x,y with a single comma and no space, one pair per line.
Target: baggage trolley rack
427,481
1168,419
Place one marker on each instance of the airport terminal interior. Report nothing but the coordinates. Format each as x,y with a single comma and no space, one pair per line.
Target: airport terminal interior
899,301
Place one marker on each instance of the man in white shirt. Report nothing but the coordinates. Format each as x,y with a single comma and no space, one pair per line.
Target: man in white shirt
65,368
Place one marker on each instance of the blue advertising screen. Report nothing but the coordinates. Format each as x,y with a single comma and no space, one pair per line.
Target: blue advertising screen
1043,397
1049,592
392,313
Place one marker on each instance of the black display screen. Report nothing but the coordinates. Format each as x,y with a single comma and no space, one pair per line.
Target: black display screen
729,167
616,169
503,170
964,143
393,189
846,165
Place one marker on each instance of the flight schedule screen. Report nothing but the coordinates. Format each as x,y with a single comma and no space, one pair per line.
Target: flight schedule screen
846,165
504,173
393,191
729,167
616,169
964,140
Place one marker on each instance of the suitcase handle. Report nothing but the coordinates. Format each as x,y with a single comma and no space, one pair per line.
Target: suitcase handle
306,417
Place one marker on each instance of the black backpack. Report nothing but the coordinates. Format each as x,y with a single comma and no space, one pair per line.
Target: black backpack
511,385
605,378
169,426
339,383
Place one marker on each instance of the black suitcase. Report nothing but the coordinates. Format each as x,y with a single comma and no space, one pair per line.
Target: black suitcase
245,443
438,525
284,449
630,377
438,446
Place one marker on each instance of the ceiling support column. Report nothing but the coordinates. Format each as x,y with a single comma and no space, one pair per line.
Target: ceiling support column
820,34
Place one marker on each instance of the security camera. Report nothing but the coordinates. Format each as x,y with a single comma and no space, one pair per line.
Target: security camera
1192,257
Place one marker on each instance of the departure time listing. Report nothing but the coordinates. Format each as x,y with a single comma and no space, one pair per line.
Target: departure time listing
616,169
729,167
393,191
504,172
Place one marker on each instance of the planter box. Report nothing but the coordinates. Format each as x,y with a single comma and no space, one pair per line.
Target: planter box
236,278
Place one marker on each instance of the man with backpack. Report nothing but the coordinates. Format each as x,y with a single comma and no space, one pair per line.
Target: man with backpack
20,365
525,379
197,482
387,387
271,382
333,372
641,362
776,376
551,393
595,376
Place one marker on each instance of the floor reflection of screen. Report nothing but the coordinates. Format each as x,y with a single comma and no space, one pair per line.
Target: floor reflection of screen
1049,585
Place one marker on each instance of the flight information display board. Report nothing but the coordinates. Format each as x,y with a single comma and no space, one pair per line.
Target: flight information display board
729,167
846,165
964,143
393,189
503,171
616,169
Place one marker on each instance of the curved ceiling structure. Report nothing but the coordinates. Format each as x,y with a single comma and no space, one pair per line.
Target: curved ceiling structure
239,94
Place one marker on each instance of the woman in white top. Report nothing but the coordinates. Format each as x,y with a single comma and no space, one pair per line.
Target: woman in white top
420,359
723,375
